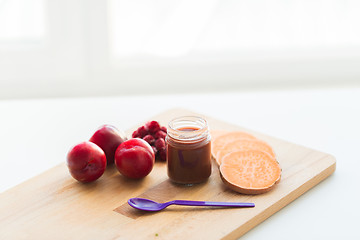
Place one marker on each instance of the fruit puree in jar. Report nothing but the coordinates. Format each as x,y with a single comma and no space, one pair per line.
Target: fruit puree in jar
188,150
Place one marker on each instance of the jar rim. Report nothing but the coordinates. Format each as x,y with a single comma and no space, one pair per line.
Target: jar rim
199,125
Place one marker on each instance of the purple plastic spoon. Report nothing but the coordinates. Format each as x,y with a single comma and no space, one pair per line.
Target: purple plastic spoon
149,205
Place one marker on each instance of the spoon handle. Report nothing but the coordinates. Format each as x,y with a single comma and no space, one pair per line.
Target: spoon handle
214,204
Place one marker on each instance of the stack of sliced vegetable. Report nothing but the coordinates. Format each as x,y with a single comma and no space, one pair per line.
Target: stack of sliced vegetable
247,165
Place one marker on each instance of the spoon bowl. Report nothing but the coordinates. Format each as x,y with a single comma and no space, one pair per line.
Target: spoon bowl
149,205
146,204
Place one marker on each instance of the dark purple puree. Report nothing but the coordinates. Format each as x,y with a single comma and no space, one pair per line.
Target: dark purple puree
189,162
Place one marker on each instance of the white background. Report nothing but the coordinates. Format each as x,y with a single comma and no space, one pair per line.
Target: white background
62,48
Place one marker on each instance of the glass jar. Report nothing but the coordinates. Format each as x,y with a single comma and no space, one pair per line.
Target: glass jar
188,150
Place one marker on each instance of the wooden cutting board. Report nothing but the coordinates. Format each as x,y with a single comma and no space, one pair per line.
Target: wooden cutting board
55,206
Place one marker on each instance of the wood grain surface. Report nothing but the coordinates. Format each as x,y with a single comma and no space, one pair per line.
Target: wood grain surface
55,206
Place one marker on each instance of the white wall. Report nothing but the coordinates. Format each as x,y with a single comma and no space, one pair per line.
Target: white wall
60,48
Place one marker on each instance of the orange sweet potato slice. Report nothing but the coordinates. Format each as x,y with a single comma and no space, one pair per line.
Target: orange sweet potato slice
220,141
217,133
244,144
250,172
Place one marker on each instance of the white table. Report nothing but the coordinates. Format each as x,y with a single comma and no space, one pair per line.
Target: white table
35,135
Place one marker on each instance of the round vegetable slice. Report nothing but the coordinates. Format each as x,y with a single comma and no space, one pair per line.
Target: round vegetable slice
250,172
217,133
220,141
242,145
